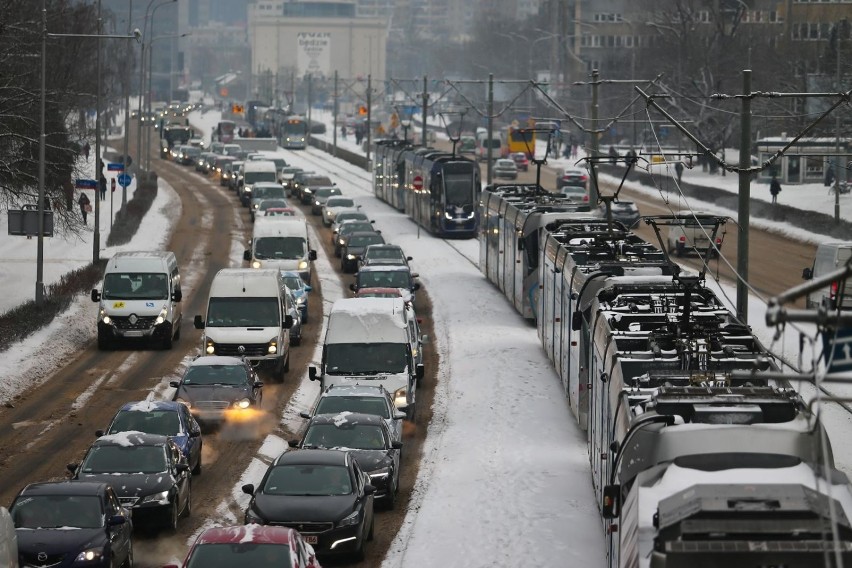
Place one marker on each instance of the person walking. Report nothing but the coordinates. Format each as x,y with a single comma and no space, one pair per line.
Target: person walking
102,185
774,189
85,206
679,171
86,150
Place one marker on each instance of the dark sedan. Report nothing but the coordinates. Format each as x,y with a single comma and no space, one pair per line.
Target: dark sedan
323,494
148,472
66,524
162,417
624,211
351,227
367,438
353,250
214,388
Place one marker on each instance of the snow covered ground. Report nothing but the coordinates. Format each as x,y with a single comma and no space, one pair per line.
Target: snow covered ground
505,478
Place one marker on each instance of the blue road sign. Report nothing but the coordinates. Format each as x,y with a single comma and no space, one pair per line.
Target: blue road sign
86,184
124,179
115,167
838,350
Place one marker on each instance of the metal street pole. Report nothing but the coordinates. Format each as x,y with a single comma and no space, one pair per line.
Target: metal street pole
593,191
334,110
96,241
39,291
310,102
841,28
489,150
425,110
127,106
150,66
369,117
743,202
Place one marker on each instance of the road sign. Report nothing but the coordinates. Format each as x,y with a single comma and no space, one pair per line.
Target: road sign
115,167
838,350
417,183
86,184
112,184
124,179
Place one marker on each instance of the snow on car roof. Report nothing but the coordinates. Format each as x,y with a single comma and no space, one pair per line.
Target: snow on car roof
149,405
131,438
216,360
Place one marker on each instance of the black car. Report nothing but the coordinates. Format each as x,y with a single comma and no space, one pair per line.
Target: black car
162,417
319,196
148,472
350,227
70,523
624,211
324,494
367,438
353,250
215,387
384,254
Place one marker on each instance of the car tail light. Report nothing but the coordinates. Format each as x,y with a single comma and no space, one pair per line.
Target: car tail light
585,198
718,241
833,293
682,239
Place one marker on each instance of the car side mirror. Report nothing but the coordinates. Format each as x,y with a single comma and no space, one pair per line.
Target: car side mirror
424,338
99,433
807,274
416,286
257,384
177,296
198,322
195,433
96,296
312,255
247,255
293,443
369,489
308,288
400,415
305,415
396,444
353,287
420,369
312,373
288,322
72,467
372,220
181,467
248,488
409,258
611,501
174,384
116,520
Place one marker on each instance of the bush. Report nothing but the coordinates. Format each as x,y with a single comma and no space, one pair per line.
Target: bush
128,218
24,320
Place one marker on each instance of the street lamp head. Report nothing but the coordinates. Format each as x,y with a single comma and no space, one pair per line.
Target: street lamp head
137,33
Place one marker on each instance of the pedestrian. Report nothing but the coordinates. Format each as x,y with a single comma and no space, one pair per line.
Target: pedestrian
613,155
86,149
774,189
679,171
829,177
102,184
343,131
85,206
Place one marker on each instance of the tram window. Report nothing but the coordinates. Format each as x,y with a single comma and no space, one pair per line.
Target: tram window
458,189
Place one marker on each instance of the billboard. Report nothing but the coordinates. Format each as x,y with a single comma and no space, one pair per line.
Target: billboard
313,53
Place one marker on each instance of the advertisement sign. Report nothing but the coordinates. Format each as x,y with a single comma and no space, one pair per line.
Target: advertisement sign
313,53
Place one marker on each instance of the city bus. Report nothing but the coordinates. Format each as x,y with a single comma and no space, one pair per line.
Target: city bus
518,139
225,131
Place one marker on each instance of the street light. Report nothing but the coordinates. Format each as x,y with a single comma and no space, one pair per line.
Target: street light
39,292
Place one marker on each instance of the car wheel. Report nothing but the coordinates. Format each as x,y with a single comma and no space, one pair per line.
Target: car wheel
287,363
197,469
305,317
167,341
390,500
172,520
187,510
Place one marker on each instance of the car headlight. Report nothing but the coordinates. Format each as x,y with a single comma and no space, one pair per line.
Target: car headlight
256,264
257,205
414,352
303,264
242,403
380,473
273,347
352,519
351,257
316,203
340,242
400,396
104,317
447,215
90,555
161,498
211,348
162,317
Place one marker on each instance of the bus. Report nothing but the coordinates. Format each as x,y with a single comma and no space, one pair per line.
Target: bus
293,133
518,139
225,131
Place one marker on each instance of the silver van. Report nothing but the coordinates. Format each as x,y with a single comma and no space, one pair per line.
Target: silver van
830,256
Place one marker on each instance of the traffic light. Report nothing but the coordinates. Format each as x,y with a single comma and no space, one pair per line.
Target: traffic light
362,110
237,108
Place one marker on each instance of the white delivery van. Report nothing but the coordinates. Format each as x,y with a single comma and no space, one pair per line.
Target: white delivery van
829,257
254,171
8,540
140,299
282,243
248,316
367,342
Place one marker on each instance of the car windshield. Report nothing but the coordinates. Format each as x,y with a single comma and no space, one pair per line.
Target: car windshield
326,192
124,459
317,180
365,358
347,228
358,404
267,192
215,375
340,202
383,279
55,511
228,555
346,435
252,178
272,203
364,240
136,286
279,248
294,282
162,422
308,480
459,189
243,312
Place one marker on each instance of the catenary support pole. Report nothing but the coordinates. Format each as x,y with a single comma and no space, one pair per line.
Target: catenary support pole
96,240
369,117
39,291
593,190
425,141
489,150
744,197
310,103
334,111
127,105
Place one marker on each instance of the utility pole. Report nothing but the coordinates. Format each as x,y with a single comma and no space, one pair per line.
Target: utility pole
424,140
39,291
743,209
490,150
369,117
96,241
841,29
594,193
127,107
310,96
334,111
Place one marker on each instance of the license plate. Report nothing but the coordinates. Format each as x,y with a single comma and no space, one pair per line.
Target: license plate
132,333
310,539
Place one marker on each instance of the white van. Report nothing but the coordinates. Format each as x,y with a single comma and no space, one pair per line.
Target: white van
830,256
282,243
140,299
254,171
8,540
367,342
248,316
